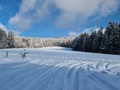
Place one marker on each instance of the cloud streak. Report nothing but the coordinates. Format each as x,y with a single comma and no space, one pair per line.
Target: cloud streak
3,27
87,30
68,11
73,34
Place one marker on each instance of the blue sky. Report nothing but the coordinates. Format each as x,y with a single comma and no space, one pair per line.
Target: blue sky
57,18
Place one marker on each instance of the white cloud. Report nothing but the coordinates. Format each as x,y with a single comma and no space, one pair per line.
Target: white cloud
31,11
3,27
87,30
82,10
73,34
96,29
19,22
71,11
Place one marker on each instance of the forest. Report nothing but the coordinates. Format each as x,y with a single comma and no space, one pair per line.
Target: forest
10,40
101,41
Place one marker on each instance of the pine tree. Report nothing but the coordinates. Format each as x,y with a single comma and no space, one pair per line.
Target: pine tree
111,39
114,45
91,40
86,42
3,39
97,40
75,43
11,39
80,41
105,45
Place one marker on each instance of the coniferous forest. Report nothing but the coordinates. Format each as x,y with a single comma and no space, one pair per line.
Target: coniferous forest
10,40
100,41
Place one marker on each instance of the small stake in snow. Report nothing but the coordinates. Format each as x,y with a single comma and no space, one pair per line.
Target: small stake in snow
6,53
24,54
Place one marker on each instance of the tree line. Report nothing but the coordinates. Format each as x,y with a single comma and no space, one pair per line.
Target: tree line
6,39
10,40
28,42
99,41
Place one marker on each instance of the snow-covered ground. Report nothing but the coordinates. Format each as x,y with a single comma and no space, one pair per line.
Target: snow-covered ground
57,68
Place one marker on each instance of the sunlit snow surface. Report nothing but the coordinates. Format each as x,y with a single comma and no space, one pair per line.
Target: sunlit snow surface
58,68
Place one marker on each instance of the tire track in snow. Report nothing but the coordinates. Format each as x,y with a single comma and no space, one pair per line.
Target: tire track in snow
62,73
44,76
32,73
71,76
103,81
55,79
16,75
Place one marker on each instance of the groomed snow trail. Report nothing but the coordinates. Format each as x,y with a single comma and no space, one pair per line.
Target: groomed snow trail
58,68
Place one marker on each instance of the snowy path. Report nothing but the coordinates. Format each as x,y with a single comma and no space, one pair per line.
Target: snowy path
59,69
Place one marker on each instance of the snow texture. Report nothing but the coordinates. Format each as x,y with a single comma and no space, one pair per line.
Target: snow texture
58,68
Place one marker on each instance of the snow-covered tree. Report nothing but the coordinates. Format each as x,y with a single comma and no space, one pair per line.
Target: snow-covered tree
86,42
81,39
11,39
97,40
3,39
114,39
91,40
42,42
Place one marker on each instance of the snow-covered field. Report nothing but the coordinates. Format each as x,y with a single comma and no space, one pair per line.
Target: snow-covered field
58,68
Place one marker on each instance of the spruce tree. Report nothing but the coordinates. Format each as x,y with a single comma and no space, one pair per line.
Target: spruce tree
3,39
81,39
114,45
86,42
75,44
11,39
91,40
97,41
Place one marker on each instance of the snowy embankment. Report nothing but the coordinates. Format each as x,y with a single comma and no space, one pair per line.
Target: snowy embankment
58,68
